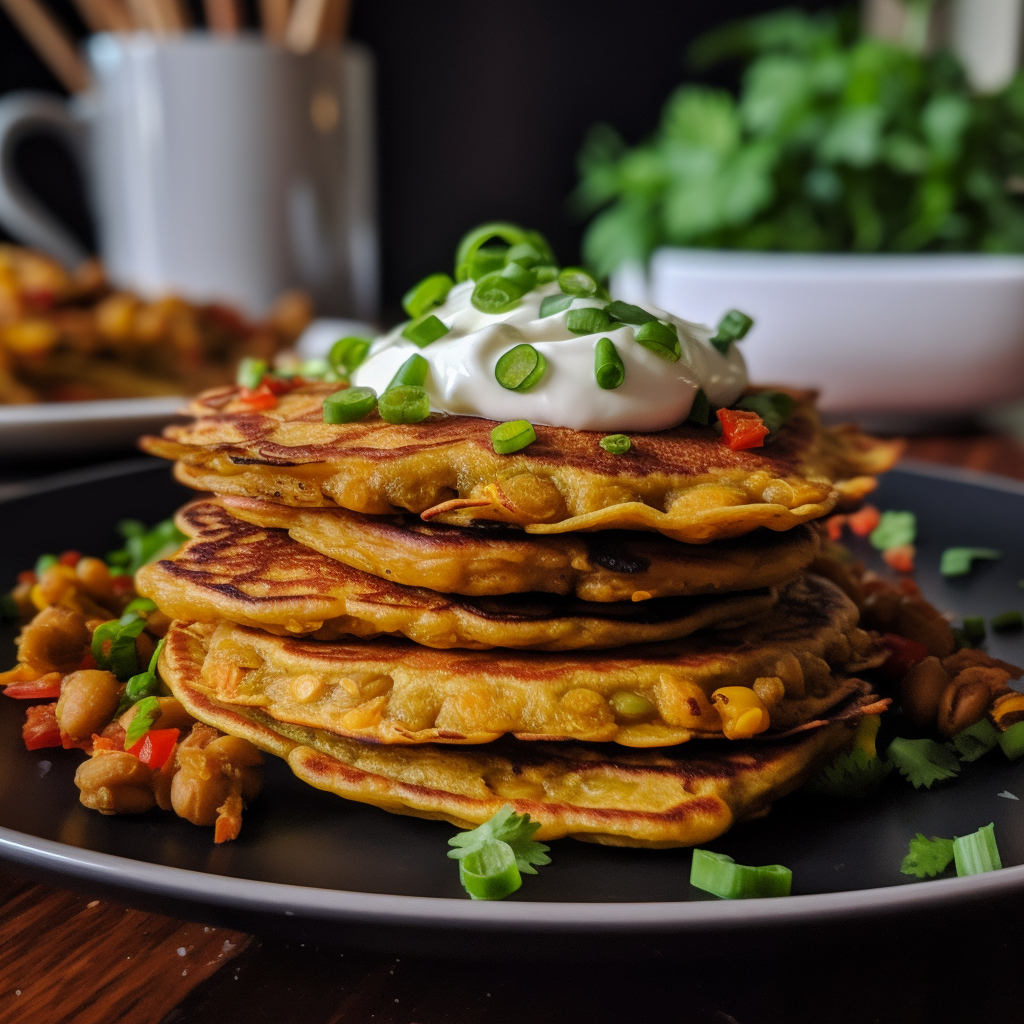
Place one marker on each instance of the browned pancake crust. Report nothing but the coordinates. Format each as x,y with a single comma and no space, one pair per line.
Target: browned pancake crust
600,793
494,558
261,577
682,482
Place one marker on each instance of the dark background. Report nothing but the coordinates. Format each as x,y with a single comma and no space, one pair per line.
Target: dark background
481,109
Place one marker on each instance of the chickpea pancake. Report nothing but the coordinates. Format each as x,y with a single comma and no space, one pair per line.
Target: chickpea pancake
487,558
788,669
599,793
683,482
261,577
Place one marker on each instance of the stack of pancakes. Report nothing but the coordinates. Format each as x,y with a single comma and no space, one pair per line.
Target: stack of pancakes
630,647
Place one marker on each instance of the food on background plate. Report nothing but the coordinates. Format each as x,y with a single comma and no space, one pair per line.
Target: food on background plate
613,612
71,336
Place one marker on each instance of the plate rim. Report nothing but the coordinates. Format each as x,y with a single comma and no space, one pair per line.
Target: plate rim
39,413
428,912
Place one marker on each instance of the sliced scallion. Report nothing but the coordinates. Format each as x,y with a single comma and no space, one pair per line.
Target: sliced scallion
1008,622
731,328
627,313
976,740
512,436
609,368
958,561
43,562
487,260
700,411
490,871
774,407
525,254
522,277
576,281
615,444
520,368
546,273
974,628
427,295
1011,742
251,373
348,353
659,338
146,712
404,403
722,876
472,241
587,320
977,853
413,371
496,293
552,304
540,243
349,405
426,330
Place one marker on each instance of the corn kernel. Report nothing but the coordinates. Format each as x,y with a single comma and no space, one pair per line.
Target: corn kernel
743,713
38,597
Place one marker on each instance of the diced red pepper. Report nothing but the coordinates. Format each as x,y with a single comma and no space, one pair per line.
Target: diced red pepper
742,429
864,520
45,687
28,576
70,558
70,744
155,747
120,585
282,385
900,558
88,661
834,525
904,654
261,398
40,728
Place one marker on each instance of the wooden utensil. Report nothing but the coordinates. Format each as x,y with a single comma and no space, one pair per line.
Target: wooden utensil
51,41
105,15
223,17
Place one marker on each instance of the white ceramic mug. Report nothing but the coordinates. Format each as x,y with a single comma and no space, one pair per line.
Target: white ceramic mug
218,169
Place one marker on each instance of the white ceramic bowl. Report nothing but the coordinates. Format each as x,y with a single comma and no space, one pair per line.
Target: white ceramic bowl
885,334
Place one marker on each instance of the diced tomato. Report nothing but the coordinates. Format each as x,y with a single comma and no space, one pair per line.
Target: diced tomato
155,747
70,558
88,661
904,654
742,429
40,728
281,385
261,398
834,525
69,744
45,687
28,576
900,558
864,520
120,585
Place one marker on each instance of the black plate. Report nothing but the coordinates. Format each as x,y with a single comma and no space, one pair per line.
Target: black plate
308,862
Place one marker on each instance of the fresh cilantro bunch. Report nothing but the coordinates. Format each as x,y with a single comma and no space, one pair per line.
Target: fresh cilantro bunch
836,142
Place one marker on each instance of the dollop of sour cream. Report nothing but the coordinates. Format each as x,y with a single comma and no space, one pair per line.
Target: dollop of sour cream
655,395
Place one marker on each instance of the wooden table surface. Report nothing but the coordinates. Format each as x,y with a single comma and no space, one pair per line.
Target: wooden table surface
70,957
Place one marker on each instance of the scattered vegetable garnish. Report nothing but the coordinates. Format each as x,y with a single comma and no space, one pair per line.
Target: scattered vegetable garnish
976,740
427,295
742,429
900,558
974,628
1007,622
520,368
147,711
492,872
406,403
251,373
732,327
923,762
894,530
113,645
864,520
348,354
46,687
850,776
349,405
413,371
44,562
155,746
577,282
143,546
659,338
40,728
722,876
927,857
616,444
700,411
774,407
958,561
1011,742
587,320
426,330
609,369
496,293
977,853
512,436
627,313
473,241
141,685
259,400
552,304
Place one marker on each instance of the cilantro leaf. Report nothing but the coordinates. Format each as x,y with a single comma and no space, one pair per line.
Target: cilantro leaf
850,776
894,530
923,762
958,561
927,858
506,827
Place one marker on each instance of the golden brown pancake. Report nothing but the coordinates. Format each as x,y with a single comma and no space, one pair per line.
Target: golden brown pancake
601,793
684,482
392,691
493,558
261,577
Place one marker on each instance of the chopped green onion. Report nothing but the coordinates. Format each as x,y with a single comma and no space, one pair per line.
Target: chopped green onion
144,684
616,444
139,605
473,240
587,320
923,762
428,294
926,857
609,369
317,368
348,354
44,562
406,403
546,273
349,405
626,313
413,371
576,281
974,629
520,368
426,330
121,658
774,407
894,530
977,853
147,710
512,436
1008,622
552,304
488,259
660,338
976,740
700,411
1011,742
490,871
520,276
957,561
722,876
731,328
143,546
495,293
540,243
251,372
525,254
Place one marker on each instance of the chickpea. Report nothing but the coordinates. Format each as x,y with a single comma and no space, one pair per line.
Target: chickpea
56,640
94,576
115,783
88,700
144,648
56,583
921,690
199,787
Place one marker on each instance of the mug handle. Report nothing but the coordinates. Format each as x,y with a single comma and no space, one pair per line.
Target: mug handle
21,214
